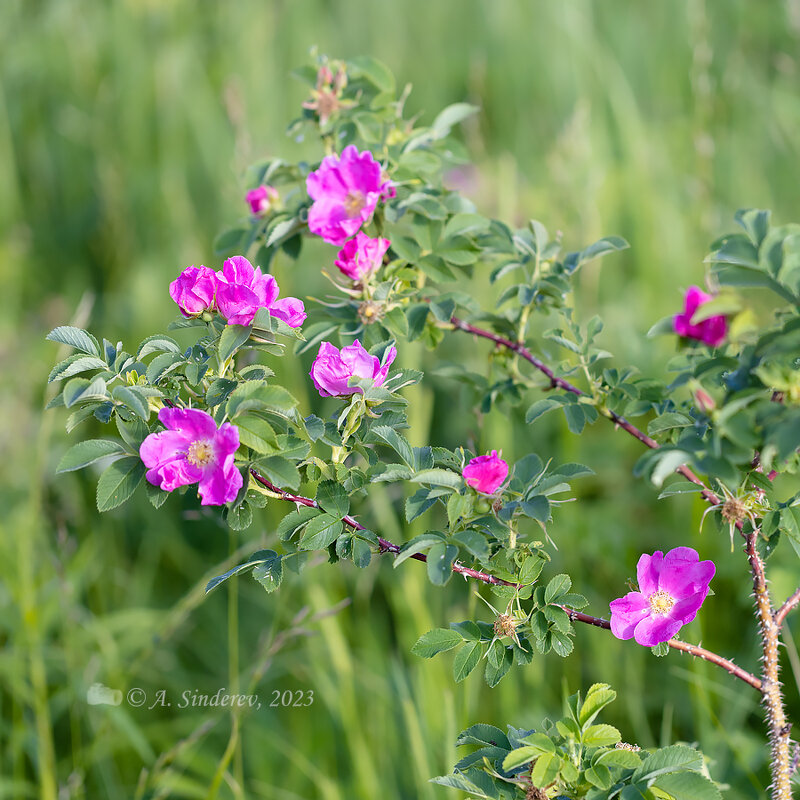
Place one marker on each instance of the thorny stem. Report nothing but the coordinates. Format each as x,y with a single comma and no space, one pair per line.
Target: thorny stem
769,621
565,385
577,616
769,628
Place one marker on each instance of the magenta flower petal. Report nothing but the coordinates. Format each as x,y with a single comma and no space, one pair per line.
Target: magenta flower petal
345,190
194,290
711,331
193,450
647,571
686,610
654,630
333,368
361,256
220,486
486,474
191,422
672,589
290,310
627,612
261,199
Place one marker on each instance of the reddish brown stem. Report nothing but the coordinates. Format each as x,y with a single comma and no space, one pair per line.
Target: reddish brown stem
577,616
560,383
791,602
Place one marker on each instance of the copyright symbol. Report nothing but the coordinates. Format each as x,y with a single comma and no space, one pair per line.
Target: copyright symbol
137,697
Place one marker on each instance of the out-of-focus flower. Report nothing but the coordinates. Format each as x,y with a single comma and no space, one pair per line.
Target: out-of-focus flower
262,199
486,474
345,191
326,98
710,331
361,255
193,450
672,588
333,368
194,290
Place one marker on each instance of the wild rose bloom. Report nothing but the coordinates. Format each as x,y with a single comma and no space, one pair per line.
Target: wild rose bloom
261,199
361,255
345,192
242,290
710,331
486,473
672,588
333,368
193,290
193,450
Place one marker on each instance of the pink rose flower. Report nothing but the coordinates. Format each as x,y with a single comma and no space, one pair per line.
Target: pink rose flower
193,450
193,290
486,473
333,368
710,331
361,256
261,199
345,192
242,290
672,588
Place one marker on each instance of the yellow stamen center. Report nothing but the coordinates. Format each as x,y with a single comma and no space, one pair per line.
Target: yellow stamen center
200,453
661,602
353,203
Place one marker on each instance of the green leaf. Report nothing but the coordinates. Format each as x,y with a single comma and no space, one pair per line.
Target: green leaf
320,532
460,224
576,418
600,776
669,759
687,786
523,755
258,396
452,115
680,487
84,453
546,769
557,586
280,471
332,498
269,573
600,736
416,545
293,520
668,421
240,516
158,344
468,630
375,71
232,338
466,660
440,563
74,365
79,390
541,407
481,733
259,557
439,477
397,442
219,390
627,759
597,698
118,482
436,641
134,401
495,672
256,433
362,553
75,337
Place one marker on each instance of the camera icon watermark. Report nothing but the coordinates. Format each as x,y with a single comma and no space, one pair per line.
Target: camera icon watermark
100,695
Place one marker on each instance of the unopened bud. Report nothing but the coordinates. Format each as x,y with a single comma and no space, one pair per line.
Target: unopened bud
704,401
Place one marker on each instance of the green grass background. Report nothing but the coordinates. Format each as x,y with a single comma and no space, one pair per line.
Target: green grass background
125,128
